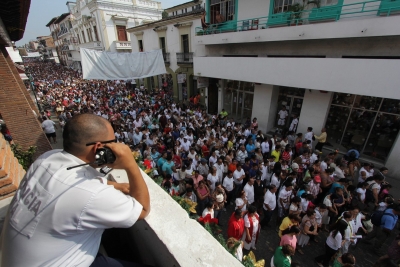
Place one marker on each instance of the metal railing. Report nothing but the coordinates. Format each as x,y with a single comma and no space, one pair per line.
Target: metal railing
166,57
184,57
314,15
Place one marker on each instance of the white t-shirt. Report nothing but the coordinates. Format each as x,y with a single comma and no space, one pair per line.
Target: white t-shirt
270,200
239,202
237,174
228,183
213,180
48,126
283,114
334,242
275,181
249,189
206,211
285,196
362,193
304,204
57,216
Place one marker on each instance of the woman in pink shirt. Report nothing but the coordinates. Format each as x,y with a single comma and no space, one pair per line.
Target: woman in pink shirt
289,236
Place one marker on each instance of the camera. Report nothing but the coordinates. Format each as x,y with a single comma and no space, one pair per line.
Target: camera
104,155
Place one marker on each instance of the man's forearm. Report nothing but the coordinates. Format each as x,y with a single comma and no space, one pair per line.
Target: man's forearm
138,189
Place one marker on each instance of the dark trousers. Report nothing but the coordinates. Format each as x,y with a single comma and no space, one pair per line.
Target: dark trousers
103,261
326,258
380,238
319,146
267,217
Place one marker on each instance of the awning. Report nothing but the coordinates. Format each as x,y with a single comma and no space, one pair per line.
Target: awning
23,76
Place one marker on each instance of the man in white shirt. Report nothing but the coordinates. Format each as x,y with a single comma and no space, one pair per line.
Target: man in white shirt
185,145
220,169
49,128
309,134
269,205
249,189
282,115
58,215
238,176
241,154
265,147
228,185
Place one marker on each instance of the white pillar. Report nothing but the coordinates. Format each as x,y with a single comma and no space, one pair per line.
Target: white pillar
314,111
265,104
392,163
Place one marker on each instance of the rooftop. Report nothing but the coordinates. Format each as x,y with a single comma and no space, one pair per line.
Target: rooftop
14,14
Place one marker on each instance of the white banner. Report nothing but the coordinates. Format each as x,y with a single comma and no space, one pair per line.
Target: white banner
121,66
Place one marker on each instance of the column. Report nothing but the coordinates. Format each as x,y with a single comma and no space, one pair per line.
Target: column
265,103
392,162
314,111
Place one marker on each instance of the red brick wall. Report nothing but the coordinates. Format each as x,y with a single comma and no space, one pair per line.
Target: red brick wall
16,108
11,172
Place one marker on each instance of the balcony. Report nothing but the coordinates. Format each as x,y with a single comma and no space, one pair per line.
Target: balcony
179,242
166,58
123,45
355,15
184,58
92,45
62,32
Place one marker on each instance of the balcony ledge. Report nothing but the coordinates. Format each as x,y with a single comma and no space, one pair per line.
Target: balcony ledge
184,239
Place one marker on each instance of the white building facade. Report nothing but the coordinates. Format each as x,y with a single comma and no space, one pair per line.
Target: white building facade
174,35
102,24
331,63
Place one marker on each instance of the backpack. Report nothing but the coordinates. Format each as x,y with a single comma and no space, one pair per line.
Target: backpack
377,216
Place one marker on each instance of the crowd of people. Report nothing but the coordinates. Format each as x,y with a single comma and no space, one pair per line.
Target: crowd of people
280,181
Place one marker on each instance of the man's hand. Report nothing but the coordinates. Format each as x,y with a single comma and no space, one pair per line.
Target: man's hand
124,158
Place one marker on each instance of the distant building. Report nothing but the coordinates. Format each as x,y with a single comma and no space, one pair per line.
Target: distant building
174,35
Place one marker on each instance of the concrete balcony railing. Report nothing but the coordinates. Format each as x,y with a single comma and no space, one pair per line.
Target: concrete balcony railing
168,237
92,45
123,45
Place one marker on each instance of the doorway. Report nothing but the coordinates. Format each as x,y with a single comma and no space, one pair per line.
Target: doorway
292,98
212,96
238,100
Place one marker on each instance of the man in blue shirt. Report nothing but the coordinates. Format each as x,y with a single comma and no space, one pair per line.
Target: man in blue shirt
382,233
250,147
167,166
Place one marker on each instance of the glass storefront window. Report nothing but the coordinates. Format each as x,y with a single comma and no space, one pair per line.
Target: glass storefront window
283,90
336,123
390,106
367,102
363,123
358,128
247,86
383,136
343,99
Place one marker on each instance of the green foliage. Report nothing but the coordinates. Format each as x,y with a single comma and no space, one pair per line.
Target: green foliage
164,15
25,158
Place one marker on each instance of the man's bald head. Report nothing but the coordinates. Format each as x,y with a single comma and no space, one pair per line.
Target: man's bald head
82,129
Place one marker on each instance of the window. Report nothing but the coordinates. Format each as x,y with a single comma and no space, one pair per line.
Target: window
282,5
83,37
89,34
140,45
121,32
162,45
225,7
95,33
368,124
185,43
